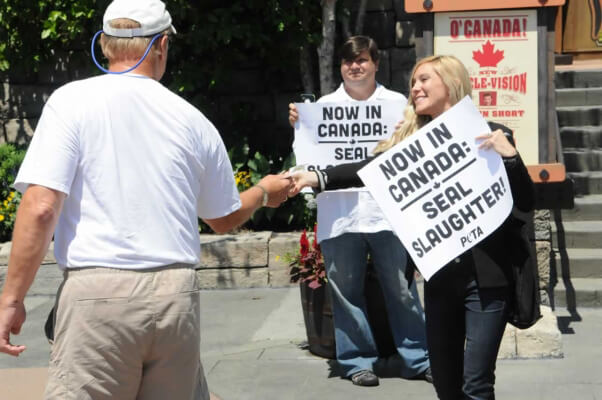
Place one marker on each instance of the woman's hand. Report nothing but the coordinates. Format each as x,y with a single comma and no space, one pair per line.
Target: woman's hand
302,179
293,114
497,141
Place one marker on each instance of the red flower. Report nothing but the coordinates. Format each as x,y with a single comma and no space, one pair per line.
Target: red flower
308,265
304,244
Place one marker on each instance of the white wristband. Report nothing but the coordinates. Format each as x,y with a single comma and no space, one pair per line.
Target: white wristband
264,200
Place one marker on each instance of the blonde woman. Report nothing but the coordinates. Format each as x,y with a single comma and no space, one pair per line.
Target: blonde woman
466,302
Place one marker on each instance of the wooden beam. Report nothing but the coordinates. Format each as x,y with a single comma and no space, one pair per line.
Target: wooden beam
542,86
554,147
546,173
424,36
421,6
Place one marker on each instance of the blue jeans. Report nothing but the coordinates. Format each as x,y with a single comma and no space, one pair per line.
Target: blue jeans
345,258
464,325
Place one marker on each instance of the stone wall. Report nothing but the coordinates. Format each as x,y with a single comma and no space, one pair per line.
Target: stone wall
23,96
257,259
542,228
252,259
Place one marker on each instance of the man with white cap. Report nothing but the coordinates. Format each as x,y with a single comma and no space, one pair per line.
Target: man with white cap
122,168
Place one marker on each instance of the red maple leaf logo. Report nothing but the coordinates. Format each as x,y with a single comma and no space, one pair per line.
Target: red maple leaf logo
488,57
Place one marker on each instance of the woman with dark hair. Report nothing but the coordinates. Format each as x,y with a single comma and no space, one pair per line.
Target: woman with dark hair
466,301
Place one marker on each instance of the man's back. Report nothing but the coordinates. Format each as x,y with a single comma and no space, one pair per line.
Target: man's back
141,160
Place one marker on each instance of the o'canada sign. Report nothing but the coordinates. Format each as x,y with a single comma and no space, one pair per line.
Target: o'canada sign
499,49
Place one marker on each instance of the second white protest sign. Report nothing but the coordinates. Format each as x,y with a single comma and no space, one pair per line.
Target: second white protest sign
328,134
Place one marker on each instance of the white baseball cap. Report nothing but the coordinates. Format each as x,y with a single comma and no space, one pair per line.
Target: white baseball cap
150,14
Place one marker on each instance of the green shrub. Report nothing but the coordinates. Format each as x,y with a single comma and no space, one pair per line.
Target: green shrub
10,161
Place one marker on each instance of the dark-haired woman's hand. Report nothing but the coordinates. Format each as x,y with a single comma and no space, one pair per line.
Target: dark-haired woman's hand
293,114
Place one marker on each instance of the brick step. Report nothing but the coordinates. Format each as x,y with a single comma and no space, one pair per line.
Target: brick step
581,136
582,160
579,116
587,182
577,235
583,292
579,97
582,263
578,79
587,208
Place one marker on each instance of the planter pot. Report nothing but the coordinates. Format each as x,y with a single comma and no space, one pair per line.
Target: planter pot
319,323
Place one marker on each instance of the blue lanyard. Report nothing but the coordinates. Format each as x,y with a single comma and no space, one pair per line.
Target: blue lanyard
127,70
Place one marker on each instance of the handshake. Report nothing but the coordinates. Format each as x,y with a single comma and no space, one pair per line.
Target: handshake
279,188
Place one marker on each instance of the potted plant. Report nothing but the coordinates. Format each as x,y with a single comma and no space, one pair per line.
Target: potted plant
307,268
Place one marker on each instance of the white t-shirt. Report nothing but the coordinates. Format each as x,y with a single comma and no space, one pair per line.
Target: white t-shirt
138,164
343,211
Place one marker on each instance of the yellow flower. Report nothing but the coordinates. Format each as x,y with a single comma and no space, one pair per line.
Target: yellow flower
277,258
5,202
242,178
1,217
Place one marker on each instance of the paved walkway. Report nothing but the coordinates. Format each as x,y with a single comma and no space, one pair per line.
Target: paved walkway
251,351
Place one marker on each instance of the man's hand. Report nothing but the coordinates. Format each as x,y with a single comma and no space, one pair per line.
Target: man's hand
278,187
12,317
293,114
497,141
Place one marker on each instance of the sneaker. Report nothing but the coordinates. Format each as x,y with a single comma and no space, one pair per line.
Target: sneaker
425,375
364,377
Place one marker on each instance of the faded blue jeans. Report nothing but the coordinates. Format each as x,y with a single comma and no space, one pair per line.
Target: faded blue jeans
345,258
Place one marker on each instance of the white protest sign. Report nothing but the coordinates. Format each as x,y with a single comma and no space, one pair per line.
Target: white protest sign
441,194
329,134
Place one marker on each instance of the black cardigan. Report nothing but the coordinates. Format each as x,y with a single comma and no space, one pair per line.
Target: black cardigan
490,258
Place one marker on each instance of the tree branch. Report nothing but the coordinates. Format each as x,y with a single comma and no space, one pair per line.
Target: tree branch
361,13
326,48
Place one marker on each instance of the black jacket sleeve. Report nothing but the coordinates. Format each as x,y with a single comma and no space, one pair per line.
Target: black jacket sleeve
345,175
521,185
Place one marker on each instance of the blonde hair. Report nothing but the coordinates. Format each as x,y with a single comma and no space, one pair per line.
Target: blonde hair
454,76
122,49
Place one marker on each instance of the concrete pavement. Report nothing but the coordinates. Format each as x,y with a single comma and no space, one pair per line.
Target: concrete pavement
252,349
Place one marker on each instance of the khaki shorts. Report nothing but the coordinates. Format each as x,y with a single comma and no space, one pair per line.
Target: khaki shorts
123,334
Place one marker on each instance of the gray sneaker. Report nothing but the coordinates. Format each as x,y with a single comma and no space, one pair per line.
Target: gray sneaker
364,377
425,375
